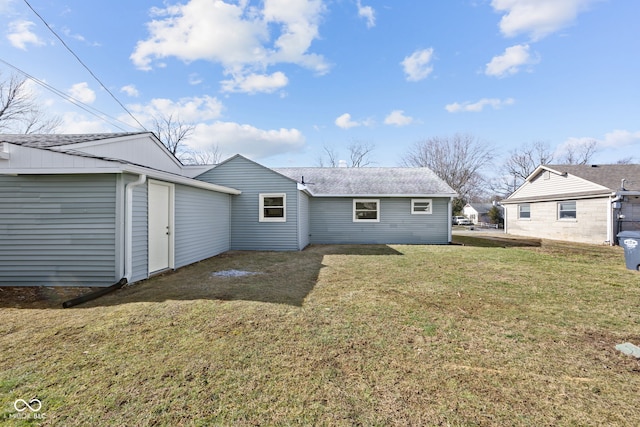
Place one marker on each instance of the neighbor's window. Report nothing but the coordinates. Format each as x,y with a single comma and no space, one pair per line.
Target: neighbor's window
273,207
366,210
567,210
524,211
420,206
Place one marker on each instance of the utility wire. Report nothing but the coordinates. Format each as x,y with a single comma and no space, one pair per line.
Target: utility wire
84,65
89,109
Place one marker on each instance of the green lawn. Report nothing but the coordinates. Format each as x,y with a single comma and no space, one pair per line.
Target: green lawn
486,333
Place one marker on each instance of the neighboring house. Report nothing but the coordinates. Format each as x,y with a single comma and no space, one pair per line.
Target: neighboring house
89,210
581,203
289,208
478,212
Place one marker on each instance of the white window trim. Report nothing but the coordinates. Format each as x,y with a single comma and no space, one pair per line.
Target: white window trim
413,204
558,204
376,201
518,209
262,196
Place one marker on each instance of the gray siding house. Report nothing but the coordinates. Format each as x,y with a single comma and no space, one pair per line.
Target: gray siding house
90,210
580,203
289,208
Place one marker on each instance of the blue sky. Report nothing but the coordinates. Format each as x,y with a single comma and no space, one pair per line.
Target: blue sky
277,80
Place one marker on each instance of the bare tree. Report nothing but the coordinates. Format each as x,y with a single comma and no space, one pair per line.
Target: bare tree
209,156
625,161
359,155
19,109
173,133
458,160
519,165
579,153
331,157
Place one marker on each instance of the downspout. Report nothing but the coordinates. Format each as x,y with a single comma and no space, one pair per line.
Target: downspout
127,250
128,233
450,226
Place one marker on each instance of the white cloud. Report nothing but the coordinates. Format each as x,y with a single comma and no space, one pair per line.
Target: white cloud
130,90
620,138
367,13
254,83
83,93
538,18
476,107
244,39
77,124
20,34
234,138
510,61
187,110
195,79
397,118
345,122
417,66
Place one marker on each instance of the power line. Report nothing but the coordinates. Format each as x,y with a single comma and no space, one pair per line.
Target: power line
99,114
84,65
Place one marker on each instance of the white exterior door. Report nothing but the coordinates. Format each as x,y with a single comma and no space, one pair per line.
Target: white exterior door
160,225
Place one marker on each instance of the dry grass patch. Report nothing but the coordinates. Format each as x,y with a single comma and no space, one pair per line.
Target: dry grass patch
341,335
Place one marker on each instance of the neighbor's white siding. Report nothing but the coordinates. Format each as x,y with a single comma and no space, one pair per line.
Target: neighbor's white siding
548,183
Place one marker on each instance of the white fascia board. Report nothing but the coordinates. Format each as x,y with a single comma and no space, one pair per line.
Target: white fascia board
123,168
447,195
177,179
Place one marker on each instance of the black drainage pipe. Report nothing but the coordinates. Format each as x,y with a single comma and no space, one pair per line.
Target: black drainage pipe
93,295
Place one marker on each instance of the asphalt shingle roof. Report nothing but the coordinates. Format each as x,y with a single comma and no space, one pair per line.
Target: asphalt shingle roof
368,181
609,176
58,140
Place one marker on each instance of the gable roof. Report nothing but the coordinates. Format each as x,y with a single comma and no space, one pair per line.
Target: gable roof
369,181
482,207
609,176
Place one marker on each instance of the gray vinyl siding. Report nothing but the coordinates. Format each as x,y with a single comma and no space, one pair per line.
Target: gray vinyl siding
140,234
201,224
303,220
58,230
247,232
332,223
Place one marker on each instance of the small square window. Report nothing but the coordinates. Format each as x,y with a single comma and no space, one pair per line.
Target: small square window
366,210
273,207
421,206
567,210
524,211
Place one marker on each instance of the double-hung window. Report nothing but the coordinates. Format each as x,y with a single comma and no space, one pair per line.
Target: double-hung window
567,210
524,211
366,210
421,206
273,207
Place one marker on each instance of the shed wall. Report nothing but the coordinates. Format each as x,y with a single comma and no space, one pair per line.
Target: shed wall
201,224
58,230
332,223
